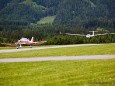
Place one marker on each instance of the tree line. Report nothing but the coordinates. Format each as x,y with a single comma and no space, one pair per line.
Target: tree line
63,40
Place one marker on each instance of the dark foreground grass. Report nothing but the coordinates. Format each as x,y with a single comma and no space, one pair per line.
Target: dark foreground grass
70,51
59,73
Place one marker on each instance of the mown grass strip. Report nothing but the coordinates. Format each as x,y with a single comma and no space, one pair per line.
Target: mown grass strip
58,73
71,51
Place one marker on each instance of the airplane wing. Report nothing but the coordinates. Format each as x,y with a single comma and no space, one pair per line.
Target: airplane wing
104,34
41,42
34,43
101,34
74,34
13,45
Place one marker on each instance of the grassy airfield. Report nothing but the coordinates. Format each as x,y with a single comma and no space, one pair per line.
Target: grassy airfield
69,51
60,73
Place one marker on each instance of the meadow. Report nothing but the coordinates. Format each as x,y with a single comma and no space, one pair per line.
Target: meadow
46,20
103,49
59,73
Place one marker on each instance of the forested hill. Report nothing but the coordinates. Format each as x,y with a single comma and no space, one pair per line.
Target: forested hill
67,11
22,18
27,10
86,12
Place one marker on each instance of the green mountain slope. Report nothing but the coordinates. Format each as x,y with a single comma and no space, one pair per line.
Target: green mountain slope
47,18
28,10
3,3
22,11
79,12
82,13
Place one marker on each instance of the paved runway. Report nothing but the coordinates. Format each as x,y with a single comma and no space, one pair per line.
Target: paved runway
46,47
60,58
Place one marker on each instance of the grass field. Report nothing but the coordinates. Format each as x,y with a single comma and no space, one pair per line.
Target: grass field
45,20
59,73
71,51
14,47
3,48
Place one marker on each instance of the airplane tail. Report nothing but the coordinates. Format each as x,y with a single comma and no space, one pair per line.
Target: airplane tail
32,39
93,33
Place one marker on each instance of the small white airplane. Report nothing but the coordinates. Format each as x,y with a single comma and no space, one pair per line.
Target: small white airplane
88,35
91,35
25,41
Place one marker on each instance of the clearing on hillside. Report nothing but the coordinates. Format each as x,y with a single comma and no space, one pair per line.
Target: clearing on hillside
46,20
